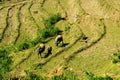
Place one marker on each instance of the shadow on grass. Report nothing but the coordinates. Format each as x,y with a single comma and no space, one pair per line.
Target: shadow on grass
64,44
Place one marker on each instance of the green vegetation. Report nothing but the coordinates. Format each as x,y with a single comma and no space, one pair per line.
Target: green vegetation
5,62
31,76
67,75
56,77
37,40
91,76
29,23
45,33
67,28
116,58
23,46
42,35
2,0
52,20
49,31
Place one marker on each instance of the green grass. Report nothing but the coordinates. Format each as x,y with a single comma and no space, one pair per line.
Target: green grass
2,0
30,23
91,76
52,20
116,57
5,62
67,75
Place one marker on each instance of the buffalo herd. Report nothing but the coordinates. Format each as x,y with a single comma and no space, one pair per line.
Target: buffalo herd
58,40
41,49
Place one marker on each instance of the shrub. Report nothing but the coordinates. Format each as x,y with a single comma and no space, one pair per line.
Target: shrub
119,56
52,20
5,61
36,40
31,76
67,28
23,45
56,77
91,76
53,31
114,61
45,33
3,0
116,57
68,75
49,31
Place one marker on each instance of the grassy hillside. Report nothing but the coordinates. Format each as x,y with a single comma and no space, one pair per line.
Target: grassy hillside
24,24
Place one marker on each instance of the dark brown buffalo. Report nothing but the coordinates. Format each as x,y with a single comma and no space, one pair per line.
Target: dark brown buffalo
58,39
49,50
41,49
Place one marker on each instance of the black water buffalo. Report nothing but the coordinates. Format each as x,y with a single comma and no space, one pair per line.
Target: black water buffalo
58,39
84,39
41,49
49,50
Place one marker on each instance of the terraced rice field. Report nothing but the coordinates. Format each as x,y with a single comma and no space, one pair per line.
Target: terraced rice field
99,20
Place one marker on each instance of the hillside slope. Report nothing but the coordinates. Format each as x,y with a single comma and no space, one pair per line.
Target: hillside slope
22,21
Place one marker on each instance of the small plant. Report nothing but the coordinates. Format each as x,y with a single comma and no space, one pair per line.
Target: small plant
2,0
31,76
91,76
49,30
5,61
115,61
52,20
56,77
36,40
68,75
116,57
45,33
23,45
67,28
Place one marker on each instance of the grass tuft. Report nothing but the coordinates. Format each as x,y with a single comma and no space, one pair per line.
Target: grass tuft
5,62
116,57
91,76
